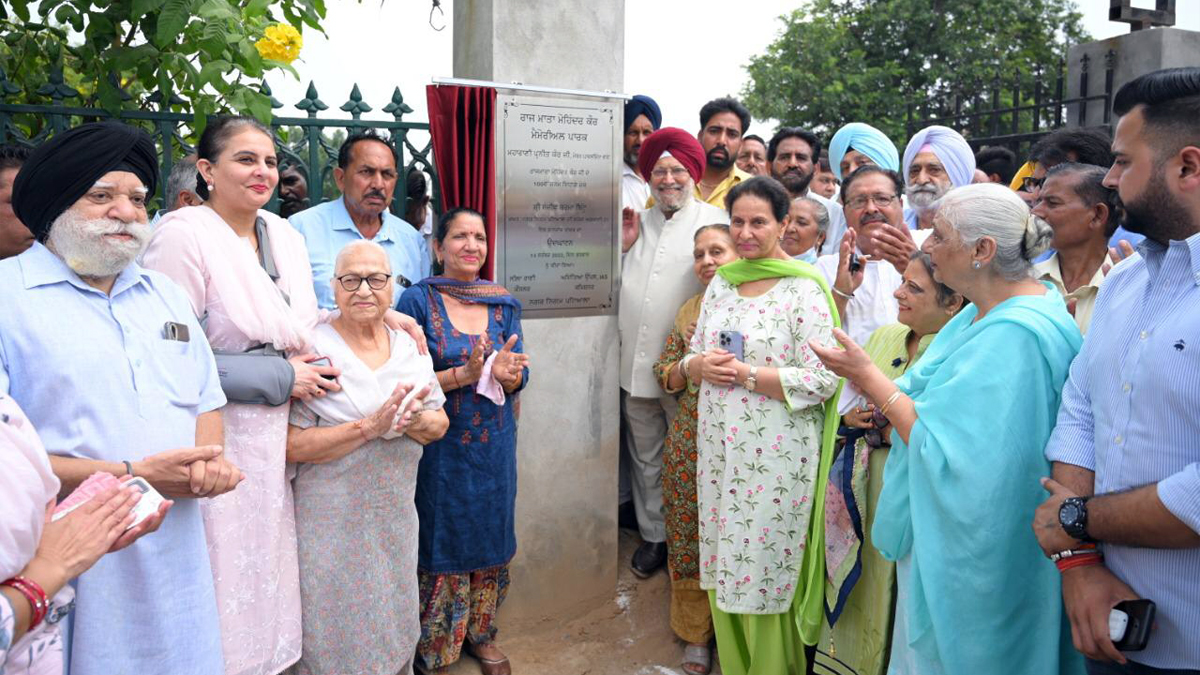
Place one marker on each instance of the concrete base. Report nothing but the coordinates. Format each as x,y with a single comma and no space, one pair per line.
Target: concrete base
569,431
1137,53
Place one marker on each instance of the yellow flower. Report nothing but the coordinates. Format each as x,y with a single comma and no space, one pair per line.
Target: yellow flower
280,42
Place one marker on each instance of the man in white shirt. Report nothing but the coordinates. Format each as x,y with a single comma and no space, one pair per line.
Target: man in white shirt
793,154
642,118
656,279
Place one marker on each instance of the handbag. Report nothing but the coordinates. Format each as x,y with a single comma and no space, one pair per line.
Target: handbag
261,375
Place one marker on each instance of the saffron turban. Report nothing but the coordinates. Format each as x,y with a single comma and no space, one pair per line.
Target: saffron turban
866,139
64,168
682,146
950,147
642,105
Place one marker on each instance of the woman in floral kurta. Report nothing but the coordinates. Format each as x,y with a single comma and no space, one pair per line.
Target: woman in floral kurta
761,428
690,616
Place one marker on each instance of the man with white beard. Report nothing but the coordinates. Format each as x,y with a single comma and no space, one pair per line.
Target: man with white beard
111,366
656,279
936,160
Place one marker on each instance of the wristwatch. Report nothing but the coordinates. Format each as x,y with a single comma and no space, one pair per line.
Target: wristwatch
751,379
1072,516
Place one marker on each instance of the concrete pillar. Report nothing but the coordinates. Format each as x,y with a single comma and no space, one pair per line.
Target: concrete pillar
1134,54
569,430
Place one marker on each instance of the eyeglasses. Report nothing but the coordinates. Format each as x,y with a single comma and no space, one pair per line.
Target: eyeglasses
351,282
678,173
1029,183
882,201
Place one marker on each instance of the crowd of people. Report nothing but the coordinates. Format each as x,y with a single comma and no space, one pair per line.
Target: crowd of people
890,507
328,402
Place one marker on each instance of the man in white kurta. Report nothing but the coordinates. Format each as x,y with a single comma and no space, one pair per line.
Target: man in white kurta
657,279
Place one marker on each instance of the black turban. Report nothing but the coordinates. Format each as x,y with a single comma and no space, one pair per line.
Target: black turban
642,105
64,168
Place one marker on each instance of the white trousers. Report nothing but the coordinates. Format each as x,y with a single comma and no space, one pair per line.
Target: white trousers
646,424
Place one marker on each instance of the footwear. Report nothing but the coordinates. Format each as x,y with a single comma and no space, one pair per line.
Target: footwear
627,517
648,558
697,659
499,666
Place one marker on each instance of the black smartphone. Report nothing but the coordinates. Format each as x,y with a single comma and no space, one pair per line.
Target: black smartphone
1137,630
855,263
323,361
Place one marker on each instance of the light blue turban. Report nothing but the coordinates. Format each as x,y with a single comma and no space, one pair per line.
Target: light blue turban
950,147
866,139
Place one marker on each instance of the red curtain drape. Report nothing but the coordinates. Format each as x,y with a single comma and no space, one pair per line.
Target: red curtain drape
462,124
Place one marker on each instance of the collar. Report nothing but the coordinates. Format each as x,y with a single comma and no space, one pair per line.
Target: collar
735,176
1050,270
343,221
627,170
41,267
1154,252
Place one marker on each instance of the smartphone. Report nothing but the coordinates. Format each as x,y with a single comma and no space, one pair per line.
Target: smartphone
855,263
731,341
323,361
1137,627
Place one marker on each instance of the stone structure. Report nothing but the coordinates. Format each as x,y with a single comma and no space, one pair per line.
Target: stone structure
569,430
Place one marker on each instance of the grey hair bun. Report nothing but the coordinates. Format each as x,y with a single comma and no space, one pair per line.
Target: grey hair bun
1038,235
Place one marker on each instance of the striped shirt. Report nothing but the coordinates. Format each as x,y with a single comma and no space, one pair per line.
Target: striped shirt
1129,414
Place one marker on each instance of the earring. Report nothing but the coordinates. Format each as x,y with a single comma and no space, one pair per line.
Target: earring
210,187
974,264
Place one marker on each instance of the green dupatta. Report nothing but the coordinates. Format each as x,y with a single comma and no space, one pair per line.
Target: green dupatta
808,607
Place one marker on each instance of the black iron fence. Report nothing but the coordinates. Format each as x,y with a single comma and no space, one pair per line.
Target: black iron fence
1016,110
309,142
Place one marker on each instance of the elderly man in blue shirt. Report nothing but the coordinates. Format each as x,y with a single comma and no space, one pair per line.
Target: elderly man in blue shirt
366,174
109,363
1125,450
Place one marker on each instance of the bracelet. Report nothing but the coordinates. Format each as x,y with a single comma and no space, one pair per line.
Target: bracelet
454,373
38,603
848,296
362,432
1071,553
128,467
683,366
1083,560
883,409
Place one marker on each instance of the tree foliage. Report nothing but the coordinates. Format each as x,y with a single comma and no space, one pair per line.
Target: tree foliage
192,55
841,61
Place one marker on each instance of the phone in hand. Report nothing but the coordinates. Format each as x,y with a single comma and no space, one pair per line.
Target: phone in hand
855,263
325,362
1138,619
731,341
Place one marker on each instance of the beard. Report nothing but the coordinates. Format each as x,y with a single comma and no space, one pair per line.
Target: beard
85,247
921,197
670,200
631,157
1155,213
795,181
719,158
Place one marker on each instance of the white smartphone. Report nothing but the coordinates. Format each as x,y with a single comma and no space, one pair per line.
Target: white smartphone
148,504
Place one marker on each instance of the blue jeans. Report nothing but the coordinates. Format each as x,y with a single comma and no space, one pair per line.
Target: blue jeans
1132,668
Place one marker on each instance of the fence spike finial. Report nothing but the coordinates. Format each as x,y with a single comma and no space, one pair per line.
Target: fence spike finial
397,108
56,88
311,103
266,91
355,105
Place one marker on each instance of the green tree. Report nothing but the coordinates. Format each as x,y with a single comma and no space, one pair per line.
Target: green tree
193,55
841,61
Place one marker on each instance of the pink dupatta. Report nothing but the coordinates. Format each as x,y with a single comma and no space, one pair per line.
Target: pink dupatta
252,300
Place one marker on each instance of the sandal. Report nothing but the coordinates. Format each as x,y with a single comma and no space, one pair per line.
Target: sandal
697,659
489,666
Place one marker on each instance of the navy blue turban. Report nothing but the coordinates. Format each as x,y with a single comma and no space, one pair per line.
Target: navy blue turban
642,105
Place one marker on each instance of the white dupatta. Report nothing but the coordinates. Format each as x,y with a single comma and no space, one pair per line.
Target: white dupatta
364,390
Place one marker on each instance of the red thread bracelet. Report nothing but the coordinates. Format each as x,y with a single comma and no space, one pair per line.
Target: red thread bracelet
1079,561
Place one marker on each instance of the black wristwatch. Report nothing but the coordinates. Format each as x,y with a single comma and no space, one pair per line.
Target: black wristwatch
1072,515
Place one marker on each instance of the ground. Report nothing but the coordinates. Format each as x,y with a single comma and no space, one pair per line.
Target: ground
629,635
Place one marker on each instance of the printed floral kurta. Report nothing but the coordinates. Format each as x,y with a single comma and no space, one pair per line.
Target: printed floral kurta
757,456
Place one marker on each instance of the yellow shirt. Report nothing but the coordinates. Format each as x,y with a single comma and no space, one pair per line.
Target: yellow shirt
1084,296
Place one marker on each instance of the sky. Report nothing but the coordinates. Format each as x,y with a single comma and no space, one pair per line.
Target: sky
382,45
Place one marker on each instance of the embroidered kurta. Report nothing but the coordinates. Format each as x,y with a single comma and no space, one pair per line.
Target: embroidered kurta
467,481
758,457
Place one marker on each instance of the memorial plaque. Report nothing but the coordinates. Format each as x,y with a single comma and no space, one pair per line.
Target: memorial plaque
558,214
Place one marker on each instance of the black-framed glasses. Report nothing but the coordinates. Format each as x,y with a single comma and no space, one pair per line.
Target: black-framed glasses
1029,183
351,282
881,200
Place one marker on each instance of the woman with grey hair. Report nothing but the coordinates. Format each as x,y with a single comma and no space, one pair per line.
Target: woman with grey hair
969,423
806,229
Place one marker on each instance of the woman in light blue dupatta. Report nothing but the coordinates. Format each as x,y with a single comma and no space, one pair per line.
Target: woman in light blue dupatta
971,419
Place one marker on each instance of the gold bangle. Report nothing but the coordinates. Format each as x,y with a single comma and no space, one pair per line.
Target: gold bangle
883,410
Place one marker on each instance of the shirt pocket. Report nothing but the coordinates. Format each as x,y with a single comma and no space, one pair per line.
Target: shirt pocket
175,372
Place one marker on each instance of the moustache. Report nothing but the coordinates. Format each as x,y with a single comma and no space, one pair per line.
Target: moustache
374,193
872,218
932,189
